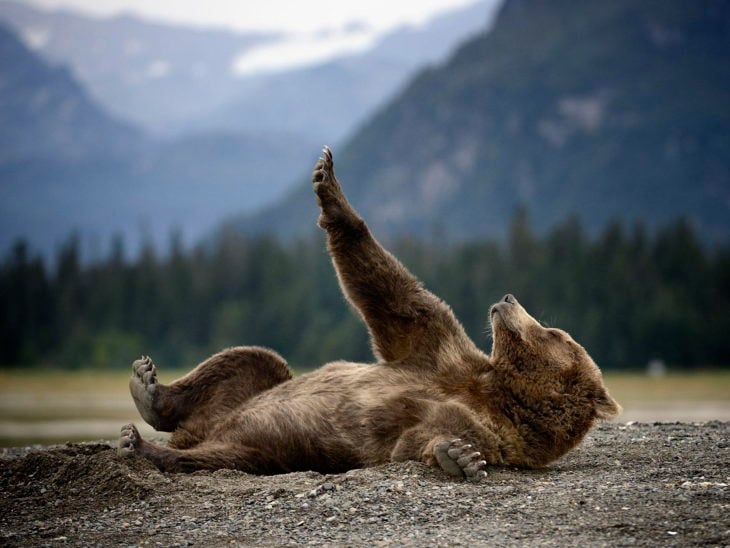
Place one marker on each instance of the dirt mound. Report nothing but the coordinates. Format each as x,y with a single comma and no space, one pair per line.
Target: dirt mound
632,484
69,471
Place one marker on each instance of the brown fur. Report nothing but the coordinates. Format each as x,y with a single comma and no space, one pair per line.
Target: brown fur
432,396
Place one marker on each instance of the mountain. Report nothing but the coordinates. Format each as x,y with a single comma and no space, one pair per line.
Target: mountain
173,80
44,112
599,109
154,75
118,126
56,145
66,165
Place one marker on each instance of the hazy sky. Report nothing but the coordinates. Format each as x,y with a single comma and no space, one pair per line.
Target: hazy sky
290,15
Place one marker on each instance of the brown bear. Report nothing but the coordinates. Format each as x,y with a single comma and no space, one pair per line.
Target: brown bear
432,395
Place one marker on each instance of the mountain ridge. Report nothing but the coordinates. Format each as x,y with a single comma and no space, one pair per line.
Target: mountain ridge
598,110
172,79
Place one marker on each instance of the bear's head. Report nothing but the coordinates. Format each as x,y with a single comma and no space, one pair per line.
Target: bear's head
550,380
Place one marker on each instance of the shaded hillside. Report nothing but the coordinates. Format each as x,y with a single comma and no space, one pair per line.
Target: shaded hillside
61,155
150,73
600,108
44,112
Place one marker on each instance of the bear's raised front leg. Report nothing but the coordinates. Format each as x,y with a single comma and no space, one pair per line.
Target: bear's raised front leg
404,319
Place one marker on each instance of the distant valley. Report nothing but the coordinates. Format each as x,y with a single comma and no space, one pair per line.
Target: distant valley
170,80
102,134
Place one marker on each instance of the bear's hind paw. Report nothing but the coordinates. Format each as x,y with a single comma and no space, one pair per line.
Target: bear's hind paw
129,441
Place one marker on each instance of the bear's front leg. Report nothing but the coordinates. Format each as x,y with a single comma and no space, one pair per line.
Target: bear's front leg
393,302
463,455
459,459
452,454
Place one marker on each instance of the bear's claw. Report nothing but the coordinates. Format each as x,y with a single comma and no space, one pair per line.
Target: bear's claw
327,155
328,191
146,372
459,459
323,169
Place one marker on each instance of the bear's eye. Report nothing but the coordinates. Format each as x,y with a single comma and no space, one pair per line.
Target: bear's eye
555,334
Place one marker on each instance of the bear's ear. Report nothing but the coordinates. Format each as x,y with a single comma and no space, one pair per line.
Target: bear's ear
606,406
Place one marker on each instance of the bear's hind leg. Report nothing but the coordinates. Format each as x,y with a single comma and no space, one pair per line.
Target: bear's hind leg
153,400
206,456
215,387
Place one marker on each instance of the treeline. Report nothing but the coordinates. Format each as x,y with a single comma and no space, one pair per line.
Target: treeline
628,297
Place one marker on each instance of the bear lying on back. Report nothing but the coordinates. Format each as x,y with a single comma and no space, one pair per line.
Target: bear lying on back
432,396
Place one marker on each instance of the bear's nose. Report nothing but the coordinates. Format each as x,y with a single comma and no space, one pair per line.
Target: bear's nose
509,298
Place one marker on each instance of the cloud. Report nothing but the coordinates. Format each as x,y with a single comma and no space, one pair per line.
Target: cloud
36,38
301,50
158,69
274,15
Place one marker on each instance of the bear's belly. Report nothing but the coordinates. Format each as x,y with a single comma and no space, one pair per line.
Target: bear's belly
341,417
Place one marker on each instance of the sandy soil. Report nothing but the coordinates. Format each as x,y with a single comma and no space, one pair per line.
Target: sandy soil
635,484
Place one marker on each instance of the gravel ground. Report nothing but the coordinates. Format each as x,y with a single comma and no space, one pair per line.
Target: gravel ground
633,484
